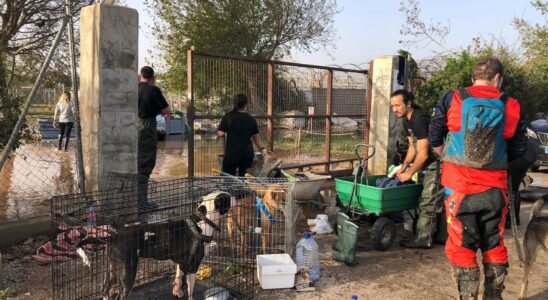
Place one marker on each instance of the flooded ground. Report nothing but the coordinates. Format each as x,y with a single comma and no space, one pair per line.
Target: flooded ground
39,171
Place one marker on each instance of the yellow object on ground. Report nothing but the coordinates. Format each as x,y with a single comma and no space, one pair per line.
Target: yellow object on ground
204,272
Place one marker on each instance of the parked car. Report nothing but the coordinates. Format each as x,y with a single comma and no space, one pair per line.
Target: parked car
538,136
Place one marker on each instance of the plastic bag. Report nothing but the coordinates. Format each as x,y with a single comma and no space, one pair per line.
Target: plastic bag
321,225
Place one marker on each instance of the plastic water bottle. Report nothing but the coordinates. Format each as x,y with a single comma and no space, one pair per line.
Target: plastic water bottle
354,297
308,255
92,216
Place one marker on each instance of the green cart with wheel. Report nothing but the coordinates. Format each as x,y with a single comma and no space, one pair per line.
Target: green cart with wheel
366,204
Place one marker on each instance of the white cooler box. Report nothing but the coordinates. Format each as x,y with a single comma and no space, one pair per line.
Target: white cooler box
276,271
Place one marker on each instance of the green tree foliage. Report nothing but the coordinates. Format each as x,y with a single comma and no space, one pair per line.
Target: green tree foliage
526,71
248,28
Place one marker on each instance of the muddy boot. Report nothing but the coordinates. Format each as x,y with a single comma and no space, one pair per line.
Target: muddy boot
426,227
494,281
60,142
467,280
344,248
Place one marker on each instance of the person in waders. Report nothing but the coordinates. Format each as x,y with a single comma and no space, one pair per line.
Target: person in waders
420,156
151,103
478,130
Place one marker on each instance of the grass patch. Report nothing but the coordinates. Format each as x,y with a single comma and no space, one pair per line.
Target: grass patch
7,292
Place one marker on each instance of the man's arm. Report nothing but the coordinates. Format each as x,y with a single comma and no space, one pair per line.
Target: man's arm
438,126
517,144
257,141
420,158
165,108
409,157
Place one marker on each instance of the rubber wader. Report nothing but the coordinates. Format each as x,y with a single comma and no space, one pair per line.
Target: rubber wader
344,248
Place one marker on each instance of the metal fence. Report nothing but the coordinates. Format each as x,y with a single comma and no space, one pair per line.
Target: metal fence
308,115
35,171
101,246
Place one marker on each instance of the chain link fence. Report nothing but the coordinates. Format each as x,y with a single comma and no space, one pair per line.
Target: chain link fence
36,170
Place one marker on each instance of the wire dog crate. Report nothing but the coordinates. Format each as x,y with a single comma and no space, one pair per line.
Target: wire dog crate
141,239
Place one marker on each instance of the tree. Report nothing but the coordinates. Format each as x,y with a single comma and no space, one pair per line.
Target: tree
526,70
249,28
27,29
534,40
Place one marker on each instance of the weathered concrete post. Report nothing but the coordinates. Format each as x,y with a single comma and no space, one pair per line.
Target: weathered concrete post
385,128
108,90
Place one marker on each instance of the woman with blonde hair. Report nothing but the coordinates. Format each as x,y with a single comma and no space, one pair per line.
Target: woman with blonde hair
64,118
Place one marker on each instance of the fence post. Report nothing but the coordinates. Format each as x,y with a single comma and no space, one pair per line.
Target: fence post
79,155
368,107
328,106
270,108
190,111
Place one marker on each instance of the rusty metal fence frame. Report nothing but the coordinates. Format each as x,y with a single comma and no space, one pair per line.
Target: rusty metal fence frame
270,115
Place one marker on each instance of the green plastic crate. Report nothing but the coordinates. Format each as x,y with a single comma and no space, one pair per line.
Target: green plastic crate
377,200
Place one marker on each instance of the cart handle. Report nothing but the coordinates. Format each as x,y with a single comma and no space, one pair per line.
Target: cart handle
364,146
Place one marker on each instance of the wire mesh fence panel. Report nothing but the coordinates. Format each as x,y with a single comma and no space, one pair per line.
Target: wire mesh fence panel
205,231
299,108
36,170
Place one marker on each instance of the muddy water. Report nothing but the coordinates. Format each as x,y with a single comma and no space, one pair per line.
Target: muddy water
38,171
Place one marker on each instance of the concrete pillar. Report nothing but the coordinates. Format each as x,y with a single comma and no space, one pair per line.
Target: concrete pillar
385,128
108,90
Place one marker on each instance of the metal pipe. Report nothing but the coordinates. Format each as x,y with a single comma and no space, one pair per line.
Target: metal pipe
190,112
277,62
75,85
15,134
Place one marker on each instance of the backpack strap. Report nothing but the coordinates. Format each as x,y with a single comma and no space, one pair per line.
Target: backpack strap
464,94
504,97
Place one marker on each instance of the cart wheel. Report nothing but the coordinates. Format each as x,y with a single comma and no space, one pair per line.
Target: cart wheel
383,233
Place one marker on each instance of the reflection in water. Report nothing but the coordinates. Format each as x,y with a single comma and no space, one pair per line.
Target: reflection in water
64,182
34,173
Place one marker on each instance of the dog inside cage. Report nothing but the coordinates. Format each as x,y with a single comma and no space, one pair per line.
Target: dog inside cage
194,238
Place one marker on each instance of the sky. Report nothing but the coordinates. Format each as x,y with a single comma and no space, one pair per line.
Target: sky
365,29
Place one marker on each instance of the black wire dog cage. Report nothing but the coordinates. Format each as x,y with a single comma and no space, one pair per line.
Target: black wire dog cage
141,239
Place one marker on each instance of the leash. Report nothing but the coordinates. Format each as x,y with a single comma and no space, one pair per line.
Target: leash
512,211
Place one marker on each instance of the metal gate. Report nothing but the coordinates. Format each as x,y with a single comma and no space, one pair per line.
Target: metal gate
308,115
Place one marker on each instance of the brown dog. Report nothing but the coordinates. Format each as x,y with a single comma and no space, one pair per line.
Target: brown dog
243,217
536,237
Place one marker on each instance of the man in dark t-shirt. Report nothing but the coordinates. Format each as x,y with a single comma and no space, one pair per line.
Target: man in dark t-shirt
240,129
151,103
419,157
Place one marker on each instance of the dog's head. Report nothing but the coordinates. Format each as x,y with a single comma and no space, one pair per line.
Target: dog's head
215,202
275,195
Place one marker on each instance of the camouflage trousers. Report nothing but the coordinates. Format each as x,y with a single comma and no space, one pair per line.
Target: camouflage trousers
430,204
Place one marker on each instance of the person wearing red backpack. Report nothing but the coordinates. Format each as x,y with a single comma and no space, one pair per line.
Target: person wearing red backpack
477,130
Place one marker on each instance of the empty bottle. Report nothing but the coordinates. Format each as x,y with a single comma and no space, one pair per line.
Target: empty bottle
92,216
308,255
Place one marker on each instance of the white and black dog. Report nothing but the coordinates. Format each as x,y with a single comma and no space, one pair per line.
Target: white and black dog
182,241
